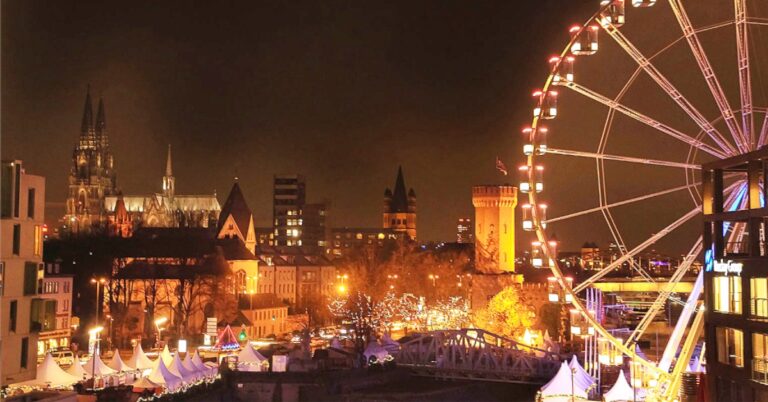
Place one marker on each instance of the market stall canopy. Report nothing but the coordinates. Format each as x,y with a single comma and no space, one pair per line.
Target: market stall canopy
389,344
580,373
49,373
375,350
95,363
621,391
208,370
166,356
76,369
177,367
144,383
162,376
251,360
190,366
562,387
118,364
139,359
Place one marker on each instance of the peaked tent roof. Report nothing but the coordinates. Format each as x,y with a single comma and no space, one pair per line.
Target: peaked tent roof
250,355
563,385
236,206
206,370
145,383
622,391
375,349
580,372
162,376
186,375
117,363
49,372
98,366
76,369
139,359
166,356
189,365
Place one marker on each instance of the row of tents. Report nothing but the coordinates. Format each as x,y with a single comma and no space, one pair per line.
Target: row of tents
167,371
573,383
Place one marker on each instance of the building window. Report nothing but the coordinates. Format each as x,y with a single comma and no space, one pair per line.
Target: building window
38,240
2,277
30,278
727,294
31,203
760,358
730,346
24,352
13,315
759,297
16,239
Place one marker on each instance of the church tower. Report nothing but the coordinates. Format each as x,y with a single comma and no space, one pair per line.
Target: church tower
400,208
92,176
494,227
169,182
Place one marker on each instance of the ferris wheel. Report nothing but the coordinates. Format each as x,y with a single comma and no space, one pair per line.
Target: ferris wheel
641,95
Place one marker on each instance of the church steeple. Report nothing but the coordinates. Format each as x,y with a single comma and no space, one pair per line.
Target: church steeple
86,128
101,124
169,182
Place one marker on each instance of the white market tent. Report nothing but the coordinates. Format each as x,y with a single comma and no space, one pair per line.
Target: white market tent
250,359
389,344
99,366
49,373
160,375
208,371
562,387
166,356
622,392
190,366
76,369
581,374
139,359
374,349
176,366
335,343
118,364
144,383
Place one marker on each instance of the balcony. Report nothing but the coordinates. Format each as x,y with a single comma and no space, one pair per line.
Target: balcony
760,370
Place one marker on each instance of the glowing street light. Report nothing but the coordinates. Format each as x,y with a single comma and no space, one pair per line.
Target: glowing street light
434,278
158,322
99,282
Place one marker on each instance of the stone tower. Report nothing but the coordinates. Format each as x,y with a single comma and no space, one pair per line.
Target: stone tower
92,176
400,208
169,182
494,227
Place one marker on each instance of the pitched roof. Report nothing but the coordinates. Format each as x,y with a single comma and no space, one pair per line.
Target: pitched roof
238,208
234,249
399,196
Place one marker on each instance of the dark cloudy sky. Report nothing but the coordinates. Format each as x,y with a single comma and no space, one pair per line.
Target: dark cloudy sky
341,91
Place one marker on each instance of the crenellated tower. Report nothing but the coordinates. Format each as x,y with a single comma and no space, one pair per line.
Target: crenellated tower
494,227
92,176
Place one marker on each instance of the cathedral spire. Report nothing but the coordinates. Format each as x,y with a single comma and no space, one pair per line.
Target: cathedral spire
169,182
168,165
87,125
101,122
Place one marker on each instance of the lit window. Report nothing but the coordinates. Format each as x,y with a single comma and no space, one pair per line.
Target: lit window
759,297
727,294
730,346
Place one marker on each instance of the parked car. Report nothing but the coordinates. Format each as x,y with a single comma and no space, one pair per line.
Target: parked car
63,356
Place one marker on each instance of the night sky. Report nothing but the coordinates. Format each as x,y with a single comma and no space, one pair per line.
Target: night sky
340,91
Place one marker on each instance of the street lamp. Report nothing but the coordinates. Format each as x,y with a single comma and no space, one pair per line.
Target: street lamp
95,338
158,322
434,278
99,282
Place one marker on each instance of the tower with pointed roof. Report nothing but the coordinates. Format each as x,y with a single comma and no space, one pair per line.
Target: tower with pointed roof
400,208
169,182
92,176
236,219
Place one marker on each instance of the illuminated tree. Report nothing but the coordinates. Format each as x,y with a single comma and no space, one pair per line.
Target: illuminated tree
507,314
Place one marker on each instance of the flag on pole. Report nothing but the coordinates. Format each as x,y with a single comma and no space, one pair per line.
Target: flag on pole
500,165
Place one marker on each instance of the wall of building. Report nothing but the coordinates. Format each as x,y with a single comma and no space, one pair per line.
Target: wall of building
495,227
18,363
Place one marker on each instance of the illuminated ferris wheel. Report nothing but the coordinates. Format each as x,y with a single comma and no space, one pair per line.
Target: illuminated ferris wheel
638,99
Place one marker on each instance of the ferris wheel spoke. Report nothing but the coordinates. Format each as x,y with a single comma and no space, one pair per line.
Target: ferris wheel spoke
620,158
745,83
580,89
661,299
710,77
763,132
624,202
670,89
642,246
